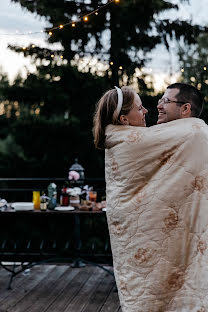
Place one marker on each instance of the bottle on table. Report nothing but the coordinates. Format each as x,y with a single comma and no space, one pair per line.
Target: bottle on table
51,189
43,202
64,197
52,194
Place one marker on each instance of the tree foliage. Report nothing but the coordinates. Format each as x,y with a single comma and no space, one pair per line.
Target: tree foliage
194,64
121,33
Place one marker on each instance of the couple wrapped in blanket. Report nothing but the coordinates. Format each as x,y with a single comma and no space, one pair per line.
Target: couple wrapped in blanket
157,199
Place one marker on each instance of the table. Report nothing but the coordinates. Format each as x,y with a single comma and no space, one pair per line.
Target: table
54,236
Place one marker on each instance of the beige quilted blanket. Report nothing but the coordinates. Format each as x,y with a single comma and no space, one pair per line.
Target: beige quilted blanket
157,211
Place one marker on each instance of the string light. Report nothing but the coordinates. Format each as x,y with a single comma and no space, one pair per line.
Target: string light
120,67
52,55
61,56
80,18
24,48
111,63
33,46
205,68
182,70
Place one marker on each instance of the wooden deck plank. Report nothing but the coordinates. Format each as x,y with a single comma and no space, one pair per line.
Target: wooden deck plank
112,302
59,288
44,287
71,290
82,297
47,297
22,285
97,300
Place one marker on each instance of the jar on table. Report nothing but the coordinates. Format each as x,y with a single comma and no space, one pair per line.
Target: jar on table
74,201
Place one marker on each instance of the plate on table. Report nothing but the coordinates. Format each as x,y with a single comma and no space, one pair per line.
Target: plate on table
23,206
67,208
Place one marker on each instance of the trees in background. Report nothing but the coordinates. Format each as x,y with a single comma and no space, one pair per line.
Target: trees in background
194,67
49,114
52,120
121,35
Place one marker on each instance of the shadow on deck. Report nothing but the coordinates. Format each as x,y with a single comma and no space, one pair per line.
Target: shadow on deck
59,288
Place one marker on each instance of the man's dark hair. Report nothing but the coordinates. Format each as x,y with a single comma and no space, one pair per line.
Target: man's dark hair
190,94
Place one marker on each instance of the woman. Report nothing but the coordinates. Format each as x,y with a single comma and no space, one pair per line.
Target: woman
118,107
156,187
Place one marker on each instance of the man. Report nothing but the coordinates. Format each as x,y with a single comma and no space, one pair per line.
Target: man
180,100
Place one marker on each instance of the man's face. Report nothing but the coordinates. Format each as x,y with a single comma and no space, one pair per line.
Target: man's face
167,109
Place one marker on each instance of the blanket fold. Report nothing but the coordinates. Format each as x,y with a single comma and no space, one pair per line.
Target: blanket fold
157,211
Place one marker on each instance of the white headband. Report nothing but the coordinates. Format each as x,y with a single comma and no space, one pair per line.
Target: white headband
120,101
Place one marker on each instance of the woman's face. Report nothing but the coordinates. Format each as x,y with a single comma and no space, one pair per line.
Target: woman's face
136,116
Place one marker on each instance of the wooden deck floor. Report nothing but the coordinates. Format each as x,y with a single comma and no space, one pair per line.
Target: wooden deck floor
59,288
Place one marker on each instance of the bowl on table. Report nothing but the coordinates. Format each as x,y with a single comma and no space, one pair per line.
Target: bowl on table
23,206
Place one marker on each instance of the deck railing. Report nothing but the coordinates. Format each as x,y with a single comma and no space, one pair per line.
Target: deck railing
20,189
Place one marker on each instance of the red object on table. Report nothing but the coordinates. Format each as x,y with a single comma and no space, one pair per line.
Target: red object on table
64,198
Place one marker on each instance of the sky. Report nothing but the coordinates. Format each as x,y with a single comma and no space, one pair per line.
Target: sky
14,19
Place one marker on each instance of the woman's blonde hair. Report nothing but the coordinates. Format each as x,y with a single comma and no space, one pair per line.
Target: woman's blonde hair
104,113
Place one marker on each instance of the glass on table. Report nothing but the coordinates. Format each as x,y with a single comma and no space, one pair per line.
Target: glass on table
36,199
93,196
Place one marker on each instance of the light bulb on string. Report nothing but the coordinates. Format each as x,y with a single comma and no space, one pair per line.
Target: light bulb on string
24,48
96,13
120,67
52,55
73,24
182,70
117,1
111,63
205,68
61,26
50,33
33,46
61,56
85,18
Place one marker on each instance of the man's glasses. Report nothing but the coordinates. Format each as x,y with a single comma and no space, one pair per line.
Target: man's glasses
166,101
